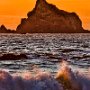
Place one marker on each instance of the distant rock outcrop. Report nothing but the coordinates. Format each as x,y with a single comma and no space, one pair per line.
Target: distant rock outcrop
47,18
3,29
13,57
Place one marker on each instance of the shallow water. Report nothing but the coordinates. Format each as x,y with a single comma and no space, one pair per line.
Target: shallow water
45,52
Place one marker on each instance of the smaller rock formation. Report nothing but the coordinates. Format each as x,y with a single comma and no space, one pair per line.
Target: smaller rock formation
3,29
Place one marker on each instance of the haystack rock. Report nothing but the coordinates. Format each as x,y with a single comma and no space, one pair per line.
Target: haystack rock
47,18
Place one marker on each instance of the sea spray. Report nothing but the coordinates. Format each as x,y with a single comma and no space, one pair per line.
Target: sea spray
65,79
72,80
6,81
42,81
68,79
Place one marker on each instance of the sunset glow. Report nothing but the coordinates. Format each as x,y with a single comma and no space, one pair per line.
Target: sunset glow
11,11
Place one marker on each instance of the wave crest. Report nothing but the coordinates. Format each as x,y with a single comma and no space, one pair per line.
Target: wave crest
66,79
42,81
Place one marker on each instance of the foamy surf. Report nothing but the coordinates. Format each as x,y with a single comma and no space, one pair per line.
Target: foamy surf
65,79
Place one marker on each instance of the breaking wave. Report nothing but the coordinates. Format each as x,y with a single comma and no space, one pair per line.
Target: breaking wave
65,79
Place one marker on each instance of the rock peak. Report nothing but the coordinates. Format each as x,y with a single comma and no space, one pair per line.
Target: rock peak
40,7
41,0
41,3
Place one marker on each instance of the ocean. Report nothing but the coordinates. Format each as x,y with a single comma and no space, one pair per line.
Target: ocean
45,53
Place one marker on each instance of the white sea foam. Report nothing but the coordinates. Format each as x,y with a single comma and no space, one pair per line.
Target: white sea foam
64,80
42,81
72,80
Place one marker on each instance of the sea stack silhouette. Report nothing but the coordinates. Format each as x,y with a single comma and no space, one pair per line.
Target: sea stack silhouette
3,29
47,18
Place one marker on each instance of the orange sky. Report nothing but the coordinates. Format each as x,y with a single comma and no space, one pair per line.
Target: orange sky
11,11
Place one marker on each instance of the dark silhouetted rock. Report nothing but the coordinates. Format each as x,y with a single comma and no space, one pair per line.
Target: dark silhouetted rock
3,29
47,18
13,57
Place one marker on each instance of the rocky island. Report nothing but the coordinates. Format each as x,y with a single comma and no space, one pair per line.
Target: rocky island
47,18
